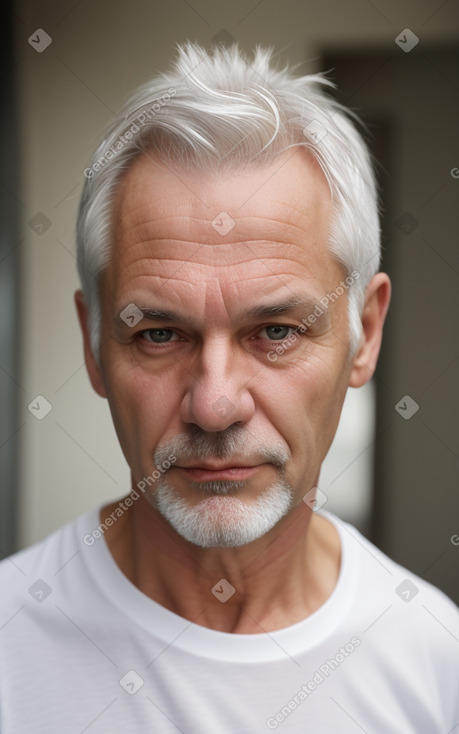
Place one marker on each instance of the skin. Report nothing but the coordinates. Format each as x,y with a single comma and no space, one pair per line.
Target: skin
167,255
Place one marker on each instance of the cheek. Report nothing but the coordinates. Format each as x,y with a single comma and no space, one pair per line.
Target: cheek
142,406
305,405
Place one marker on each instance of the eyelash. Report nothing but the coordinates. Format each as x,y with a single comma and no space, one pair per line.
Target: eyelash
291,329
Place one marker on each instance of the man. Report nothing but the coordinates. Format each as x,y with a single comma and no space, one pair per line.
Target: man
228,252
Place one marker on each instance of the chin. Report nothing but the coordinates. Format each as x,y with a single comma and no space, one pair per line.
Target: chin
222,521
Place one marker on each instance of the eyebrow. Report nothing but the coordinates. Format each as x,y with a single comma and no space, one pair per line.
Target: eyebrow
155,315
262,311
151,314
284,307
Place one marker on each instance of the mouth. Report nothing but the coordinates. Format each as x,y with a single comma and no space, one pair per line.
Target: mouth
209,473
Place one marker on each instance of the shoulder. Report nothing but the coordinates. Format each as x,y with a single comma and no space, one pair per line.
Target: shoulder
393,599
31,573
407,629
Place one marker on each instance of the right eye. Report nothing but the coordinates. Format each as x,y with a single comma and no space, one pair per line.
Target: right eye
159,336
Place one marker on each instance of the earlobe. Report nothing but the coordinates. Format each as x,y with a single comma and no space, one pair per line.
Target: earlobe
94,372
377,298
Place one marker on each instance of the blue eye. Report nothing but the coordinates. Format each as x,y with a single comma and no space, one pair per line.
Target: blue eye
277,332
159,336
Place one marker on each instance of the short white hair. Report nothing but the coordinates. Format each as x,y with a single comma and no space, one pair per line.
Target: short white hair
223,110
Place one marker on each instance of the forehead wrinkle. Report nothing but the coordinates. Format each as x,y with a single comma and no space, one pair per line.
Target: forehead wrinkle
293,234
194,216
161,271
242,223
197,276
213,308
220,245
237,282
316,191
204,254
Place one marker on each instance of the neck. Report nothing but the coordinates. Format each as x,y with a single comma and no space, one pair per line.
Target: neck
278,580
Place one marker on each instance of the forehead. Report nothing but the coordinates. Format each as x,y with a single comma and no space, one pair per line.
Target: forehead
189,228
290,191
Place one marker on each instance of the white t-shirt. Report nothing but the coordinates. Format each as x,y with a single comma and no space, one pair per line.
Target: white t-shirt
82,650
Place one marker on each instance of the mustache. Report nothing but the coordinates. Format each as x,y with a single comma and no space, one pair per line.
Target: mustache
196,444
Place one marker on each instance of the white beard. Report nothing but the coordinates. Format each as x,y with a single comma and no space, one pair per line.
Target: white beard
224,521
220,519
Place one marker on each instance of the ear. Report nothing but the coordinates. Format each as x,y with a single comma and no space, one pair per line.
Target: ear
377,298
93,368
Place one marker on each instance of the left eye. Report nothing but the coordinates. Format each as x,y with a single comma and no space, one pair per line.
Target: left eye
276,332
159,336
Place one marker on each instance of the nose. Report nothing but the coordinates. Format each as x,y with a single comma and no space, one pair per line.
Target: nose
218,388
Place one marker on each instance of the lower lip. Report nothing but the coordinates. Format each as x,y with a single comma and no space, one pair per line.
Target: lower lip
236,473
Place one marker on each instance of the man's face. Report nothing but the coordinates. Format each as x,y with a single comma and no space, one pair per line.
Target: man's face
196,375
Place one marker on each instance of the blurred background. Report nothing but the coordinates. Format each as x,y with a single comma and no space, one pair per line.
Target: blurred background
66,68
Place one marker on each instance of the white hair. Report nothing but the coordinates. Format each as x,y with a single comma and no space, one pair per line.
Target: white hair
222,110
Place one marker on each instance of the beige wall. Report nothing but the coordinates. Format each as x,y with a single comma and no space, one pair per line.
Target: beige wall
99,52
